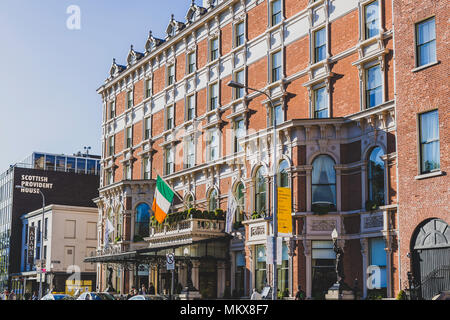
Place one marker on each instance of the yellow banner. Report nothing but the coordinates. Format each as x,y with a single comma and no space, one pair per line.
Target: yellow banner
284,211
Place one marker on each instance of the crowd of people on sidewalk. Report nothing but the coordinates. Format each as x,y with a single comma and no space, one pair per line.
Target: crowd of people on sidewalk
6,295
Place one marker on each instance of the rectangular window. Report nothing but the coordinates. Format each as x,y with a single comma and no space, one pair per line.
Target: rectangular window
129,137
148,88
320,45
239,34
112,109
109,177
214,49
81,165
372,19
429,142
191,62
378,259
45,228
239,78
279,114
213,96
147,128
275,8
111,146
146,166
276,66
170,75
213,145
426,42
127,171
130,99
190,155
321,103
260,267
190,101
169,118
374,86
239,132
169,160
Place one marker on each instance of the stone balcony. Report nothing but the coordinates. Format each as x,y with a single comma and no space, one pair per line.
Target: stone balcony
185,232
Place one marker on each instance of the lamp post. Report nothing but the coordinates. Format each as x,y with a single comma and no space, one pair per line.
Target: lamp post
238,85
41,249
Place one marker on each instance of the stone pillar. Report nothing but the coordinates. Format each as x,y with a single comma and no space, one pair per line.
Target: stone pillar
364,253
220,279
308,187
388,248
291,252
338,188
232,270
364,191
307,252
195,273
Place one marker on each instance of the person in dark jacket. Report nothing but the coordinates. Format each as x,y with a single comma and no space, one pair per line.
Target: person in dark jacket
151,289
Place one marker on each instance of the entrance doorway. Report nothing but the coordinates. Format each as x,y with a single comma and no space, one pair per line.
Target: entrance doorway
208,279
431,258
323,268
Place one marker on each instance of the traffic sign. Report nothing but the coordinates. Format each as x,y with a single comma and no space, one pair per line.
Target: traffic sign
170,260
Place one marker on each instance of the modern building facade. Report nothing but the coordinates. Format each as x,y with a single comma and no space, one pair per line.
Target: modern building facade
421,73
328,68
70,234
66,180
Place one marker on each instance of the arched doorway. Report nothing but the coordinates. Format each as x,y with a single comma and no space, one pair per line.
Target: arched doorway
431,257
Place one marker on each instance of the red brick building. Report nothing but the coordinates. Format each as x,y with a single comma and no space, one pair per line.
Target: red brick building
328,67
421,72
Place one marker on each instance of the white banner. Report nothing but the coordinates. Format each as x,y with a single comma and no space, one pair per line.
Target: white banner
231,209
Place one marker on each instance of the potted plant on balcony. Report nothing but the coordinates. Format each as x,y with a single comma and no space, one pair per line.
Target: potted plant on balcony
237,225
219,214
256,215
117,239
371,205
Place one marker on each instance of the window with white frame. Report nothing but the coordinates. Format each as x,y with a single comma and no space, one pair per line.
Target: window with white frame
148,88
191,62
212,200
147,128
190,152
239,132
169,118
275,12
112,109
239,77
213,96
374,86
320,45
214,49
278,112
375,176
130,99
323,181
127,171
320,102
170,75
129,137
239,34
371,19
190,107
213,144
169,160
429,142
425,42
276,66
111,148
146,168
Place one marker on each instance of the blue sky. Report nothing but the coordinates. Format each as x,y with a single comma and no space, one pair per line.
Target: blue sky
49,74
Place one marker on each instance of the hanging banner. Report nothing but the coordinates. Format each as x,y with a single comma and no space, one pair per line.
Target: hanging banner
284,212
31,238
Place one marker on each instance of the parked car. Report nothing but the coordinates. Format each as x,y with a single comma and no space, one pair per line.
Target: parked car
96,296
147,297
445,295
53,296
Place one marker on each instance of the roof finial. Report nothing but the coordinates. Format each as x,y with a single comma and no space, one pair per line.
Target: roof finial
114,60
131,47
173,16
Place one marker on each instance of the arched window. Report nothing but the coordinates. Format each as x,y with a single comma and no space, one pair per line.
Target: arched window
110,217
142,220
260,190
212,200
375,176
239,194
283,176
118,225
323,180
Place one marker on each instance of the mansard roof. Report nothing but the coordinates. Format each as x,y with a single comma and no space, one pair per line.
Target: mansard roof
194,12
116,69
174,27
133,56
152,43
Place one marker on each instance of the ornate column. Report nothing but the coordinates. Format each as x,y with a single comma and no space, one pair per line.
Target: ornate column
307,250
195,273
363,184
308,187
338,187
388,248
291,252
364,253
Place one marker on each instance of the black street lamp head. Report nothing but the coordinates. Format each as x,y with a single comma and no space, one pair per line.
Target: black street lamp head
235,84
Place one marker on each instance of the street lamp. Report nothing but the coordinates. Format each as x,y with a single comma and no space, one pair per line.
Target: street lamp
238,85
41,249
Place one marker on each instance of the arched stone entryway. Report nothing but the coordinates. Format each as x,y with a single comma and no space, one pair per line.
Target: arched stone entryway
430,248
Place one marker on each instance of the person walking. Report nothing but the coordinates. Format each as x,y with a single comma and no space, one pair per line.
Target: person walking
143,290
300,295
12,295
35,296
151,289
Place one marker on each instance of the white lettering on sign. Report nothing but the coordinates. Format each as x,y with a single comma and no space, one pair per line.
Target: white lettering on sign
32,184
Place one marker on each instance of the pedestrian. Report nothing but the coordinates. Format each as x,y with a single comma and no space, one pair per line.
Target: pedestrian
151,289
132,293
300,295
12,295
35,296
255,295
5,295
143,290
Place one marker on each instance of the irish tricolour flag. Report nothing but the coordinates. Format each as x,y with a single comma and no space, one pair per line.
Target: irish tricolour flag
162,199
